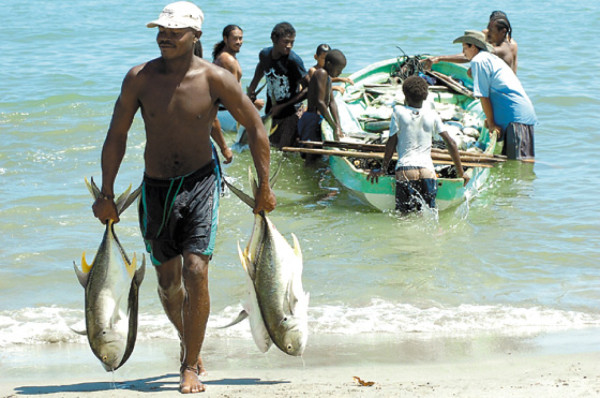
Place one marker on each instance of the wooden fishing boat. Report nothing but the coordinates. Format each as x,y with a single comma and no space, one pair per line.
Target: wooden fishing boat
365,111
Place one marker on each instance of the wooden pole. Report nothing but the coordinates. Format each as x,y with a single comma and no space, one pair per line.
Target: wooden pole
442,154
372,155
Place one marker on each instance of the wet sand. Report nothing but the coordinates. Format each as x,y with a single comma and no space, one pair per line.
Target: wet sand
547,367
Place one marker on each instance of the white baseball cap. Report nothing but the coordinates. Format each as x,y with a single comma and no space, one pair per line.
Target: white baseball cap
181,14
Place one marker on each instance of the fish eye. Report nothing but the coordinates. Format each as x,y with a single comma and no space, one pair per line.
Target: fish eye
289,347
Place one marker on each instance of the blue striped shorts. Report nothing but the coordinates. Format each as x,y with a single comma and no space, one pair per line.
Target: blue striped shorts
180,214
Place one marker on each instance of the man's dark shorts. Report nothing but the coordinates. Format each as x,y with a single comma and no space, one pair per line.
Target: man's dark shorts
518,141
410,195
286,133
180,214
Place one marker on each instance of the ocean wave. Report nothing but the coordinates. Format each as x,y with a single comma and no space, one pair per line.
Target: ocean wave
51,325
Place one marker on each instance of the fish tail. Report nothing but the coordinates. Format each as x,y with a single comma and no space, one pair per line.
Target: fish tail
123,201
241,316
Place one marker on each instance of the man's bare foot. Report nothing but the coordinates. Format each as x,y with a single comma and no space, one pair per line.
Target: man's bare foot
201,369
189,382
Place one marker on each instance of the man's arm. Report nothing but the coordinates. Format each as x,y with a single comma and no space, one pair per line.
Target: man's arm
390,147
225,88
258,74
217,135
486,104
299,97
115,145
321,82
336,116
457,59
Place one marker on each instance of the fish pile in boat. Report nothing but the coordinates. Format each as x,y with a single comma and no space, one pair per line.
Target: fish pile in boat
463,126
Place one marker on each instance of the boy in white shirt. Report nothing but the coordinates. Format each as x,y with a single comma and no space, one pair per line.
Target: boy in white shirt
411,131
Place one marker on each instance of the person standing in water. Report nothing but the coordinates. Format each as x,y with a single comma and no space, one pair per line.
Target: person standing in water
320,102
508,110
287,84
411,131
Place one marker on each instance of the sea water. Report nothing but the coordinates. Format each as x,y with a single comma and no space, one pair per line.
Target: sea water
519,260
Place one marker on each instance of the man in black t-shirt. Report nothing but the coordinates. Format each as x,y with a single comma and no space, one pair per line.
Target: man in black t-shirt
287,84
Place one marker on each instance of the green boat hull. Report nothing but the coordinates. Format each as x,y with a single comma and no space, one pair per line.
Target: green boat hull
451,191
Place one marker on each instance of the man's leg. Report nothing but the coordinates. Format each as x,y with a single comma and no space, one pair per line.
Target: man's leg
183,291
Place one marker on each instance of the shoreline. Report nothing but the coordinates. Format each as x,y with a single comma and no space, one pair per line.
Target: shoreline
560,364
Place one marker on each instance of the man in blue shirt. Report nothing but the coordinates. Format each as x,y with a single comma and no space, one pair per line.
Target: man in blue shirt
286,83
508,110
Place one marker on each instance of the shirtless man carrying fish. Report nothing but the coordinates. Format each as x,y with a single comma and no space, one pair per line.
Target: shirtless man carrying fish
178,95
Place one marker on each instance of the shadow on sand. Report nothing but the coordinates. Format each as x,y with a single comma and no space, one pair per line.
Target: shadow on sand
167,382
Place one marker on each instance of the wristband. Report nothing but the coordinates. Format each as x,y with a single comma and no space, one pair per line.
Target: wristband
106,197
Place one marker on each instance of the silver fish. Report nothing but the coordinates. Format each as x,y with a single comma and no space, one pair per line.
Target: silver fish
276,303
111,286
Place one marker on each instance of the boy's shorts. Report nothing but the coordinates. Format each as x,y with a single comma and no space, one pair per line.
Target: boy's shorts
412,194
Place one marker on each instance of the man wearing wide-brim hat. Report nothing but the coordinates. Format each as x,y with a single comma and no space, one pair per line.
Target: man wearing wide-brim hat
508,109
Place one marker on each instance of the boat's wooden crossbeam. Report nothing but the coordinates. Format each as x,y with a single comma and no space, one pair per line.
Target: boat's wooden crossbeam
435,152
379,156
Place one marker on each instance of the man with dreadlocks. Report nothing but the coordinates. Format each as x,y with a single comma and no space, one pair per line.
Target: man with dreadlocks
498,34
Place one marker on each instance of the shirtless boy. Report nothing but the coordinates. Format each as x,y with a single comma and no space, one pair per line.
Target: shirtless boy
319,56
178,95
320,102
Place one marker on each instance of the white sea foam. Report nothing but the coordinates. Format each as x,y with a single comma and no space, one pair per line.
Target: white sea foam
55,325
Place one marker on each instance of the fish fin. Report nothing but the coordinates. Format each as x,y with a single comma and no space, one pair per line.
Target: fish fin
252,181
132,312
244,197
246,264
241,316
81,276
275,175
92,187
141,272
81,332
122,197
297,250
117,314
125,199
130,267
273,128
291,300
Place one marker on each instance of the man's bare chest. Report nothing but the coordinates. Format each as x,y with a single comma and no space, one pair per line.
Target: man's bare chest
188,99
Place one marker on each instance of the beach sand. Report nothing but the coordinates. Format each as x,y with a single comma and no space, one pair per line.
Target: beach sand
450,368
513,376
